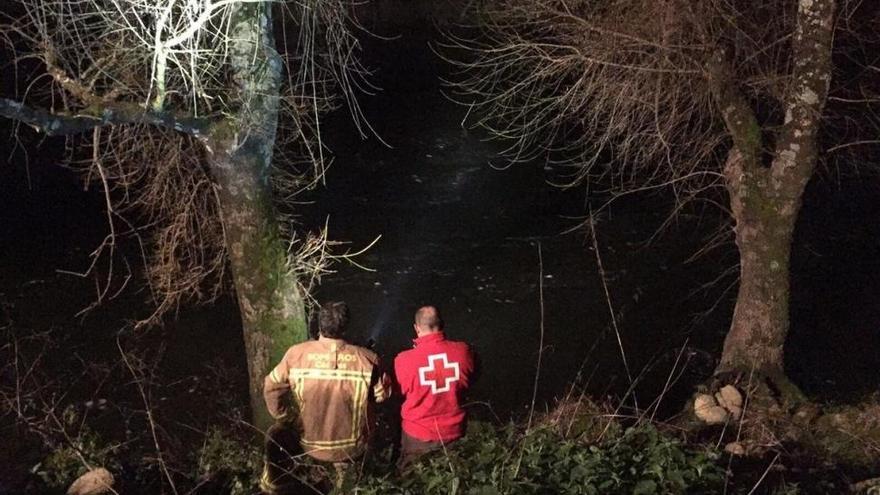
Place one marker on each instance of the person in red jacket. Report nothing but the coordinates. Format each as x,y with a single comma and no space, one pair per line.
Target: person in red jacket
432,377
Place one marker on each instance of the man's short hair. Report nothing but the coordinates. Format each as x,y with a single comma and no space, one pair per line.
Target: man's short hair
429,317
332,319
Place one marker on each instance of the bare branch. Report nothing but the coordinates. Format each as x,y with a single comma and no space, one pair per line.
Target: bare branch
61,124
739,117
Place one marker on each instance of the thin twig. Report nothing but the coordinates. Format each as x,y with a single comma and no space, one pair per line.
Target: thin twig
541,339
761,479
138,380
540,354
610,305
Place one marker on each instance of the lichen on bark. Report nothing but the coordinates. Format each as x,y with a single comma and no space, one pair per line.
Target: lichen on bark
765,201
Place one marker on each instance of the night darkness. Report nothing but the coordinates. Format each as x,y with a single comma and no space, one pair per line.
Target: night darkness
506,255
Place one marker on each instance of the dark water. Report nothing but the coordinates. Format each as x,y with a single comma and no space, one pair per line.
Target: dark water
461,228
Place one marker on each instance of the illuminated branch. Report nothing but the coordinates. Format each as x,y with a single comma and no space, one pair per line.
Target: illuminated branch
209,10
58,124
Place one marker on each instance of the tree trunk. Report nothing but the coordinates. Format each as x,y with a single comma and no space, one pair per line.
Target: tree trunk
765,223
271,305
765,201
240,154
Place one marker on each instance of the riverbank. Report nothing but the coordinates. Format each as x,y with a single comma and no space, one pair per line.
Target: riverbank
71,406
578,447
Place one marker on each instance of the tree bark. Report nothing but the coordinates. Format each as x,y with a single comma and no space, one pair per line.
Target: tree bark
240,154
765,201
764,229
271,305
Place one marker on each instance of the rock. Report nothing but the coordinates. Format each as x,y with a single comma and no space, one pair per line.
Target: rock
729,397
735,412
703,401
735,448
731,400
708,411
94,482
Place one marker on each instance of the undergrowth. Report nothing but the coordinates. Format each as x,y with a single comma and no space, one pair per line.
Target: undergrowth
639,460
579,447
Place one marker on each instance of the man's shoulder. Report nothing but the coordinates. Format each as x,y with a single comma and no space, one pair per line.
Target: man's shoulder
295,352
402,355
458,350
363,352
303,346
407,355
457,345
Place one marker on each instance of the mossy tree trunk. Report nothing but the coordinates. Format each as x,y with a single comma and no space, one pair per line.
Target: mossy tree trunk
766,199
271,306
764,229
240,156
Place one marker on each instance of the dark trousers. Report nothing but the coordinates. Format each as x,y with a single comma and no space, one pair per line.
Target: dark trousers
411,448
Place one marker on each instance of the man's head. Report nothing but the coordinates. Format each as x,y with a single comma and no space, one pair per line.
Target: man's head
332,319
427,321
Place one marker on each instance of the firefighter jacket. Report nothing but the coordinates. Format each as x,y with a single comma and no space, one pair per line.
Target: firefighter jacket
333,384
433,378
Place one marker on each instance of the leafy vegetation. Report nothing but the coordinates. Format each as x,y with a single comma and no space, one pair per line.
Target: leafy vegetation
82,452
229,463
639,460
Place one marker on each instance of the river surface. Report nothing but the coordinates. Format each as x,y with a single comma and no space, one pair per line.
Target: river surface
485,241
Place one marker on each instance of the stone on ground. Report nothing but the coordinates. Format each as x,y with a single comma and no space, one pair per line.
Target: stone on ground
94,482
729,397
708,410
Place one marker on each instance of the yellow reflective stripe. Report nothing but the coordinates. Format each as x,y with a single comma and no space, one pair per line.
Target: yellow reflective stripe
359,403
348,442
331,379
358,399
322,373
360,381
274,376
265,483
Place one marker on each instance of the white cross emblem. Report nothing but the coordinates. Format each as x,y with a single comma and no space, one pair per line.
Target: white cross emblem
432,375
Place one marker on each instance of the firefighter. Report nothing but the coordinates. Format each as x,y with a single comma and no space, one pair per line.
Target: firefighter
432,377
334,385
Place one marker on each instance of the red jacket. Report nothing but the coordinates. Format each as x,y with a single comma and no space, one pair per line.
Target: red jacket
433,378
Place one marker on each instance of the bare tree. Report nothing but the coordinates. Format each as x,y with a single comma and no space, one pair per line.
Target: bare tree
693,96
177,109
